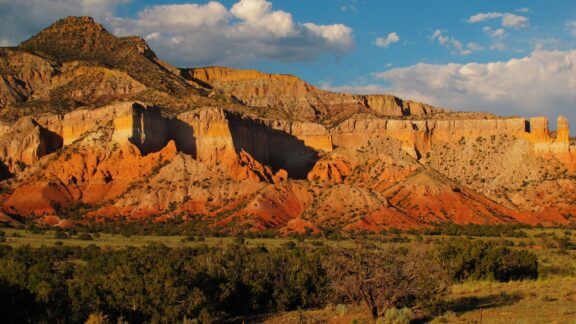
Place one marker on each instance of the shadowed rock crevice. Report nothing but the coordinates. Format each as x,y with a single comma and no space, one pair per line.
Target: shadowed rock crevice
184,137
272,147
52,142
5,172
149,129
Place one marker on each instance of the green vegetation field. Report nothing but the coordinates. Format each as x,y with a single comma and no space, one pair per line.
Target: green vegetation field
47,238
473,296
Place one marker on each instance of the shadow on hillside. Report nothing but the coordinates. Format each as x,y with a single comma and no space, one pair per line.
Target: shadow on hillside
272,147
473,303
152,131
183,135
51,140
188,75
5,171
466,304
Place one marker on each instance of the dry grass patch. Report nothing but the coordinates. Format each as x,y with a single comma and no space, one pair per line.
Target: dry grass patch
541,301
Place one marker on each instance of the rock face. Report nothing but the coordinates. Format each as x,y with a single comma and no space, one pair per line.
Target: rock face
418,136
23,74
298,99
86,40
393,106
25,143
98,124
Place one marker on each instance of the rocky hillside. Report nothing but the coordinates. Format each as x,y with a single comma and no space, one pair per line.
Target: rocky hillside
96,127
299,99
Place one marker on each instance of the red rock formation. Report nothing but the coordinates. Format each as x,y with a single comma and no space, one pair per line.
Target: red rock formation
245,150
332,171
299,226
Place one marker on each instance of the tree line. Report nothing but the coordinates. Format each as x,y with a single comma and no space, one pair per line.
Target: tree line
158,284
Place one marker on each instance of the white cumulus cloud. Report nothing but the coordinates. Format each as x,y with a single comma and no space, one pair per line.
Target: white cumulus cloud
506,19
251,29
498,33
450,42
351,8
386,41
543,83
498,46
191,33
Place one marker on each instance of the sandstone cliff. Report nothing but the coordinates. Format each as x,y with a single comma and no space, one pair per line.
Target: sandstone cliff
300,100
96,123
418,136
109,152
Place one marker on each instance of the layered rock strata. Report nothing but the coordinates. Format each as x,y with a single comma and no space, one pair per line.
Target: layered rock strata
300,99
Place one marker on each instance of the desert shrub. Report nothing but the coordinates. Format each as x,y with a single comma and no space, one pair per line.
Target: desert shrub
156,283
97,318
189,238
165,285
60,235
466,259
85,237
341,309
397,316
239,240
477,230
385,278
316,243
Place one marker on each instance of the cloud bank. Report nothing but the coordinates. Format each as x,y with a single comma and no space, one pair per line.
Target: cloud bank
191,33
542,84
194,34
521,86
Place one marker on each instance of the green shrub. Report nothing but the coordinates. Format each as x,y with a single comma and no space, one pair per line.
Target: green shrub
477,260
341,309
97,318
59,235
189,238
85,237
383,278
316,243
290,245
397,316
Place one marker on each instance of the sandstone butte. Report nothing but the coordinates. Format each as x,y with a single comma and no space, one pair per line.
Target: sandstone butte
95,123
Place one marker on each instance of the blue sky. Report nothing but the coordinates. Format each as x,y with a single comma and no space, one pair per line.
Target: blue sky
513,57
415,21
